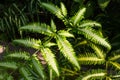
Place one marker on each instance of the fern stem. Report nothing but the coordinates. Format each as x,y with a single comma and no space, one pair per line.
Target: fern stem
50,74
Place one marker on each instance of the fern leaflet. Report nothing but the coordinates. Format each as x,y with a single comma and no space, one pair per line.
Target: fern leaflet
67,50
50,58
11,65
38,28
94,38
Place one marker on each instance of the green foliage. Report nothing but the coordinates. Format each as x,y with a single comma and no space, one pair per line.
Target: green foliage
11,65
18,55
25,73
94,38
45,51
81,44
29,68
66,48
90,59
38,28
103,3
78,16
95,74
38,67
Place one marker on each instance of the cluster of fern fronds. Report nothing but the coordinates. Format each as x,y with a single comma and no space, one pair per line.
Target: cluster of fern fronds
79,44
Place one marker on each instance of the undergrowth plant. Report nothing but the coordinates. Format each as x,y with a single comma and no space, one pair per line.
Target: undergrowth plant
21,66
81,43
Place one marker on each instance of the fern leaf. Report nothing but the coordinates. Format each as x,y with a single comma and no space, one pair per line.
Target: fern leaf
90,58
63,9
29,43
115,64
98,51
115,55
94,75
25,73
49,44
116,76
78,16
38,67
53,26
65,33
50,58
89,23
67,50
38,28
19,55
11,65
94,38
53,9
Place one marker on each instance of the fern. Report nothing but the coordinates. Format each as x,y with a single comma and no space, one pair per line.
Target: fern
98,51
67,50
53,9
11,65
29,43
24,71
18,55
78,16
65,33
115,64
94,38
50,58
90,59
115,55
53,26
38,28
94,74
63,9
38,67
89,23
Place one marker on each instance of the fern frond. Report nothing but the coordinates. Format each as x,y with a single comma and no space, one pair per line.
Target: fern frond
67,50
115,64
102,74
98,51
49,44
38,28
95,74
65,33
87,23
115,55
90,59
11,65
38,67
63,9
78,16
94,38
25,73
29,42
53,9
50,59
53,26
18,55
116,76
